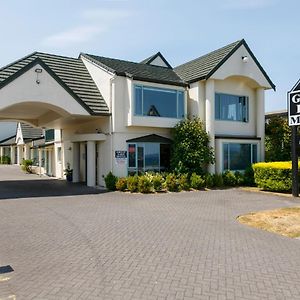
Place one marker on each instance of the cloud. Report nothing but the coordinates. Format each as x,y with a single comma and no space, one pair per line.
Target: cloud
73,36
94,23
247,4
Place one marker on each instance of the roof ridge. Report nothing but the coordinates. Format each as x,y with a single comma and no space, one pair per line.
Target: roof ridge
57,55
209,53
18,60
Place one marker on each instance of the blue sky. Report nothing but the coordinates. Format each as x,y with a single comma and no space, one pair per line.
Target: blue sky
135,29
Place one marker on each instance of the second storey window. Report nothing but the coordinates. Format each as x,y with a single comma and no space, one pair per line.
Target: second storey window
157,102
231,108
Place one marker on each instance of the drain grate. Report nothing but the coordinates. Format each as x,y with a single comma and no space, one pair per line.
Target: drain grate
6,269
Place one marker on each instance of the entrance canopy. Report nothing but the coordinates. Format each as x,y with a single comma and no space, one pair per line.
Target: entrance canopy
49,91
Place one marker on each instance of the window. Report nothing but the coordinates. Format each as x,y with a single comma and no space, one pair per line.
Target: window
231,108
156,102
238,157
144,157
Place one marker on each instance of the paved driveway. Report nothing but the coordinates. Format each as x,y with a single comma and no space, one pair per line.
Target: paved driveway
122,246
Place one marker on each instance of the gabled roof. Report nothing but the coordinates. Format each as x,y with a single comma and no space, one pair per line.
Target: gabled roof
137,71
8,141
69,72
29,132
149,60
204,66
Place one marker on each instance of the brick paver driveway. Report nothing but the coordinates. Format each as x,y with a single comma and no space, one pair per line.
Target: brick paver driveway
122,246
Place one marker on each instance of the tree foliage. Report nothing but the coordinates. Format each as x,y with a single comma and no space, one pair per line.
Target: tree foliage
191,152
278,140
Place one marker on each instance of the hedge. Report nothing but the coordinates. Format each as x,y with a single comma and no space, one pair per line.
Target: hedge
273,176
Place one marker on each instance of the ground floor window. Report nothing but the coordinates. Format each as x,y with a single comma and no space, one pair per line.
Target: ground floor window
143,157
238,157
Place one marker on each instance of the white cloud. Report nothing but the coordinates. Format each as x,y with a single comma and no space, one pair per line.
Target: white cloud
247,4
95,22
73,36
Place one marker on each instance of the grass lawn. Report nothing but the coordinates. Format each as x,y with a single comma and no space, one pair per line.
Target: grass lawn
284,221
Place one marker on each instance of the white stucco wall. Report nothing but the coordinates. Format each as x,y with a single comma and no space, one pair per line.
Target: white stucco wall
237,87
48,93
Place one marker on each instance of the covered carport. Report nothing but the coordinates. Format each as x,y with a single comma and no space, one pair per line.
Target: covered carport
56,92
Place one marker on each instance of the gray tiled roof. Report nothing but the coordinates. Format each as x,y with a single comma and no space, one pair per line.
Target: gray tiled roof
71,72
201,67
138,71
8,141
30,133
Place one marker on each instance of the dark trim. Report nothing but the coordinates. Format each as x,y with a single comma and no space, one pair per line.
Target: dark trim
160,81
158,54
242,42
44,145
237,137
6,139
54,76
295,86
151,138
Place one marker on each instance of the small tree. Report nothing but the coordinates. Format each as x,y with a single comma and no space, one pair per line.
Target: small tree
278,140
191,152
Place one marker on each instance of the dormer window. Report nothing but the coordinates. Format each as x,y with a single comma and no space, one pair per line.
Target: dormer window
158,102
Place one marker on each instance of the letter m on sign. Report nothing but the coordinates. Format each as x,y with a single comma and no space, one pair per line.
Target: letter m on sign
294,105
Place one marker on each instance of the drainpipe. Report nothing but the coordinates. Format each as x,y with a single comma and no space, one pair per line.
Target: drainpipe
112,86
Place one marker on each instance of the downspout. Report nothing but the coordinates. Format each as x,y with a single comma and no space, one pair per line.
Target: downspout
112,86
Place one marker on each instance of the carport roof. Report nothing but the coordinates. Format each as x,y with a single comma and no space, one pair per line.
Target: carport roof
69,72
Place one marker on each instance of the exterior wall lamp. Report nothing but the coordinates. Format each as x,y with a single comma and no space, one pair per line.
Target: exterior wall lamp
245,59
38,71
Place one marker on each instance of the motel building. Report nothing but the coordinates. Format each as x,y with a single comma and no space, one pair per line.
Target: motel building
107,114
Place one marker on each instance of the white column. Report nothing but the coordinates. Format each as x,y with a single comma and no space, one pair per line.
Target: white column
210,116
91,164
99,164
50,162
260,121
76,162
19,153
12,155
82,162
1,152
27,151
40,161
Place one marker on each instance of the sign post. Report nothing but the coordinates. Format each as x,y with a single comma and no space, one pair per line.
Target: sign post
294,121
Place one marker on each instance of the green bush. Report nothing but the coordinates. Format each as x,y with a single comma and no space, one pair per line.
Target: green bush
132,183
190,150
240,178
172,183
121,184
110,181
197,182
209,180
145,184
157,181
5,160
184,183
229,178
27,165
273,176
249,177
218,180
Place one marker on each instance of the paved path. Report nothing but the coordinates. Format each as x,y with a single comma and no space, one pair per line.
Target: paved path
122,246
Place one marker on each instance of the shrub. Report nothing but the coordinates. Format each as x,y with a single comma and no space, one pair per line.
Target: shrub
190,150
157,181
184,183
172,183
132,183
110,181
121,184
273,176
240,178
229,178
218,180
5,160
197,182
145,184
249,177
209,180
27,165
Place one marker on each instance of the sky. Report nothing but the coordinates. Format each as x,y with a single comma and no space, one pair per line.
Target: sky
135,29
